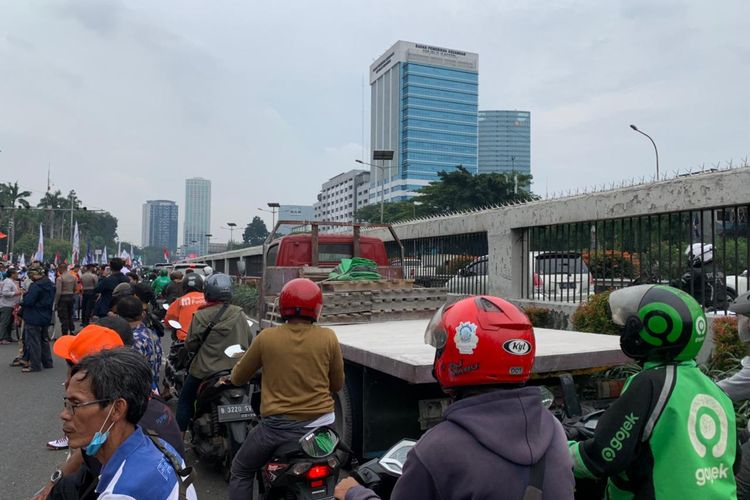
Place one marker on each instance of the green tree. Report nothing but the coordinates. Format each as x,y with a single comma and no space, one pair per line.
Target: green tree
392,212
461,190
255,232
12,196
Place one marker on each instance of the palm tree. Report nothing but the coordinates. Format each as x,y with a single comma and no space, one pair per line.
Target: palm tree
52,201
12,196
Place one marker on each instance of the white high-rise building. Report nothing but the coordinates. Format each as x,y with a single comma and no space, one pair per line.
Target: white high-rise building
197,215
341,196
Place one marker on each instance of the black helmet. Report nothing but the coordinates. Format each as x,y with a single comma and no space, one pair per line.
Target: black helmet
218,288
659,323
193,282
741,307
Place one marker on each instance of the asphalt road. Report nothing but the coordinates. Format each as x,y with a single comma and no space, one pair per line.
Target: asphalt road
29,417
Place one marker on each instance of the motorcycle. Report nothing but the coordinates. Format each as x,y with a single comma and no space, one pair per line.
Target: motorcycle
381,474
703,279
307,469
176,367
224,415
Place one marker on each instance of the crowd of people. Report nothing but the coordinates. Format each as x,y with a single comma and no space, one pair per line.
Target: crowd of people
672,432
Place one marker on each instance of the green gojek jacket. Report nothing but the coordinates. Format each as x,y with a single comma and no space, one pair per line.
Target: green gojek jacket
159,284
670,435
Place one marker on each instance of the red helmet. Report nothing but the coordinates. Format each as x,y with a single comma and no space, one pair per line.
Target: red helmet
481,340
300,298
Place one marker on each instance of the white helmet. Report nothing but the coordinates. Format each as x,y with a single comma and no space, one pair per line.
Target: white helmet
700,253
208,270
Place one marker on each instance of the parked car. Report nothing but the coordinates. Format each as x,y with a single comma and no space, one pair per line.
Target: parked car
470,279
737,284
564,276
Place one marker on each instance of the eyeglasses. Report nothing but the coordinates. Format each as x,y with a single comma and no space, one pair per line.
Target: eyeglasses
71,407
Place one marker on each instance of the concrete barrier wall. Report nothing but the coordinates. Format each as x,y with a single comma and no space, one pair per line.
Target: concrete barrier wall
506,226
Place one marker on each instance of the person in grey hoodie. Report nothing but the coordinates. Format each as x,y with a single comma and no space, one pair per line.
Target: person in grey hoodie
737,388
497,436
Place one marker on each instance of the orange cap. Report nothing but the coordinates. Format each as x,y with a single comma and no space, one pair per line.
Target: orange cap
90,340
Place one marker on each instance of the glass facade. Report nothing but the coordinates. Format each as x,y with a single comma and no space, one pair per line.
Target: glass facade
424,108
197,215
504,141
160,224
439,120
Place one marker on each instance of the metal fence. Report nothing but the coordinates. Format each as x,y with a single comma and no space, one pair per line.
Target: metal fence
703,252
457,262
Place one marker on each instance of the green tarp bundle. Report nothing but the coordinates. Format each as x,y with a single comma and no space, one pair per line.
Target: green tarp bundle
354,270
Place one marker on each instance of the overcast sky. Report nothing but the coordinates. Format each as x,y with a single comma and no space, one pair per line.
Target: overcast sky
127,99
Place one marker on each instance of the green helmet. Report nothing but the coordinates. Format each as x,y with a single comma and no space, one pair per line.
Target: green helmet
659,323
163,272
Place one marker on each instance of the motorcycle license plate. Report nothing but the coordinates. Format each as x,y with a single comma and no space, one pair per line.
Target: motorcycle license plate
231,413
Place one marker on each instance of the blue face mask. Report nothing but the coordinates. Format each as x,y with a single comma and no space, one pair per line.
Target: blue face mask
100,437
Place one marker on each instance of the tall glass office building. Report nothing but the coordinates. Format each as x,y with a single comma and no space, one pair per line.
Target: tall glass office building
159,227
424,102
504,141
197,215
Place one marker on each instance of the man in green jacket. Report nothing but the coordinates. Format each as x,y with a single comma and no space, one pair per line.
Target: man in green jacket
671,434
160,282
229,327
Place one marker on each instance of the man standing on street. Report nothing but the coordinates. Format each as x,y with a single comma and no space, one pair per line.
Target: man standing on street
89,279
10,296
65,289
37,317
106,286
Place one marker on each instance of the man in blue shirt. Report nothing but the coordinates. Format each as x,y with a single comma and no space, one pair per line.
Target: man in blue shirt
105,397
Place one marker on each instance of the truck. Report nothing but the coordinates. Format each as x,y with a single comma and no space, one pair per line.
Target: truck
390,392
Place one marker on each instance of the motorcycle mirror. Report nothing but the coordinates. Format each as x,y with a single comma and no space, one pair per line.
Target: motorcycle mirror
234,351
175,324
319,443
395,458
547,397
165,306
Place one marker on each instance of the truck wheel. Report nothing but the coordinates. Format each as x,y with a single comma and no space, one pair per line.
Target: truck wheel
344,419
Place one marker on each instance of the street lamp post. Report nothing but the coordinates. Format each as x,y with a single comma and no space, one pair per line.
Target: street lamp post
655,150
382,155
231,226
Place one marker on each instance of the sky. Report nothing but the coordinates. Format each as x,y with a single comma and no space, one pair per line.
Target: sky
124,100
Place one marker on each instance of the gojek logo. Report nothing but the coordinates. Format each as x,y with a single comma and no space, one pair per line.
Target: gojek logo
615,444
708,428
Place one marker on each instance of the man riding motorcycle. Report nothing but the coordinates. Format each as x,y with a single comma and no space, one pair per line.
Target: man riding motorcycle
497,439
182,309
161,282
216,325
671,434
302,365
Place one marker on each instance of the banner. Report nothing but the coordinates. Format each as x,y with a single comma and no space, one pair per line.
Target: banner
89,258
39,255
105,259
75,254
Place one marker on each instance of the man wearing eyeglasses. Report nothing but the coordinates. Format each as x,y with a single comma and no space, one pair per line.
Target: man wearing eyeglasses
81,469
105,397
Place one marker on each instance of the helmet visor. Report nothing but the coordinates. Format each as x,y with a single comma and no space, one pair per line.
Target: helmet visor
435,334
625,302
743,328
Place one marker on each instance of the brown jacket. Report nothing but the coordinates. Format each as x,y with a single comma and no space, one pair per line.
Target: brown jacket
302,365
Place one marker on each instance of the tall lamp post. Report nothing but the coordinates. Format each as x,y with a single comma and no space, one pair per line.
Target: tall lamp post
274,208
655,150
231,226
382,155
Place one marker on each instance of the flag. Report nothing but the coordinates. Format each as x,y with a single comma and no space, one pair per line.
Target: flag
105,259
57,258
89,258
119,248
76,252
3,235
132,256
166,254
39,255
22,261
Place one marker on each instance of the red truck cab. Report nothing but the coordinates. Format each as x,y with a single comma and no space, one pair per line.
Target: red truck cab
296,250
